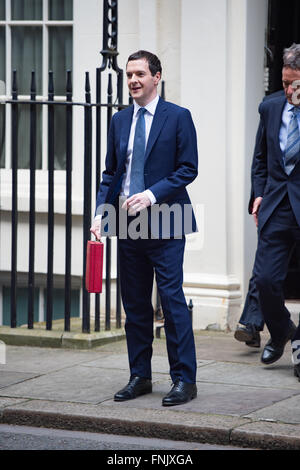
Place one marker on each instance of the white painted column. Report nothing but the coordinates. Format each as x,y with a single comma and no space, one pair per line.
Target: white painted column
1,305
219,42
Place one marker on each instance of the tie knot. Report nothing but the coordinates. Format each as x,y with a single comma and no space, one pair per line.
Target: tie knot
295,110
142,111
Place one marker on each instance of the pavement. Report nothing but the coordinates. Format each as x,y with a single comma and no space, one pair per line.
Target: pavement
240,401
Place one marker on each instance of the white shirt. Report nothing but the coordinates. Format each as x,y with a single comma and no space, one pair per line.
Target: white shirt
150,107
285,120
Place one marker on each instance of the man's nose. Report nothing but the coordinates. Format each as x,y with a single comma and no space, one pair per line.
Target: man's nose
133,78
290,90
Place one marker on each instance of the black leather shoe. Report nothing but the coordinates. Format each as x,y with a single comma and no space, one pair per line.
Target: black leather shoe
136,387
274,350
248,334
180,393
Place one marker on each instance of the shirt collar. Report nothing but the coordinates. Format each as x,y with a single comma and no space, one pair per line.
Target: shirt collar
290,107
151,107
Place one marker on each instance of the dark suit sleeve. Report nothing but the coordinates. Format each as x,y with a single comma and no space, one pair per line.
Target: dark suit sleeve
259,171
186,165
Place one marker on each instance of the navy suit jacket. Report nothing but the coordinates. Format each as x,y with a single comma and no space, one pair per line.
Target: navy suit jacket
269,179
171,159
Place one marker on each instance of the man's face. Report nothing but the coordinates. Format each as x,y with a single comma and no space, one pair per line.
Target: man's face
141,84
291,85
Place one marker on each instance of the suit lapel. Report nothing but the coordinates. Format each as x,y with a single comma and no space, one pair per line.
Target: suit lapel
278,110
158,121
125,131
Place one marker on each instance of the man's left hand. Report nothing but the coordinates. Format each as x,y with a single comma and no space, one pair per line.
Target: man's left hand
136,203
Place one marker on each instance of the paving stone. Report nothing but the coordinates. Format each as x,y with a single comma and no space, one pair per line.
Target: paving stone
43,360
160,364
74,384
286,411
238,397
212,399
5,401
276,376
266,435
10,377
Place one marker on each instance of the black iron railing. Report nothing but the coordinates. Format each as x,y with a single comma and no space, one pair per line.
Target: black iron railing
51,104
114,101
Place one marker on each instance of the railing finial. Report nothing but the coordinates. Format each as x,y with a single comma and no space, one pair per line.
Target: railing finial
110,35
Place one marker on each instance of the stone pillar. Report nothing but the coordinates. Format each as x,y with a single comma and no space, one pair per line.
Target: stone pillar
222,47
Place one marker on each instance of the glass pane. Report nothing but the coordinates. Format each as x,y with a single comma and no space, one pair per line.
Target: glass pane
27,56
60,137
27,9
24,137
59,303
2,10
2,136
60,56
2,61
22,303
60,9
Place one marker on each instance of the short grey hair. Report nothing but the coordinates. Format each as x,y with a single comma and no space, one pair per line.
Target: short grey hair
291,57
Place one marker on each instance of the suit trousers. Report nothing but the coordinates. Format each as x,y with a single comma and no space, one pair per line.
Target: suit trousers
275,244
139,259
251,314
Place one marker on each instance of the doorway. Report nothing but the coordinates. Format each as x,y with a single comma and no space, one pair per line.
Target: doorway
283,30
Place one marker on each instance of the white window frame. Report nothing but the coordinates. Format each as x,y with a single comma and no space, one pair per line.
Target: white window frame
23,174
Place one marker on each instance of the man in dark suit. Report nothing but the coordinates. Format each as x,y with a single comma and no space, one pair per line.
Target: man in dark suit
276,205
251,322
151,158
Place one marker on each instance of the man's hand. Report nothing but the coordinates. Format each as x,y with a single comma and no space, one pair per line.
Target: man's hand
255,209
136,203
96,228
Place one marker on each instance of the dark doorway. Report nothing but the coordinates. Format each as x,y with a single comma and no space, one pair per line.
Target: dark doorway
283,31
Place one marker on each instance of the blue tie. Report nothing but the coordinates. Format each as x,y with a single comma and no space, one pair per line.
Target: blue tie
293,143
137,184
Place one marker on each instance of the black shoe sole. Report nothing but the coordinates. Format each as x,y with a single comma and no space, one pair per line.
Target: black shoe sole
271,361
243,336
132,398
253,344
180,403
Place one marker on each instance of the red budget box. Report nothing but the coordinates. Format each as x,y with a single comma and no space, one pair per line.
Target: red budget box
94,267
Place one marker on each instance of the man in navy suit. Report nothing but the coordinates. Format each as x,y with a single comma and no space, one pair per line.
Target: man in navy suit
151,158
276,205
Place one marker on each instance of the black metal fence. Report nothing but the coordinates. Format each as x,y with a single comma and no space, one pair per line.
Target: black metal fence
109,53
92,149
68,104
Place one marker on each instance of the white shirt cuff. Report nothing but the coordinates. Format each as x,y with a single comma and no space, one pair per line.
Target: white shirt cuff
150,196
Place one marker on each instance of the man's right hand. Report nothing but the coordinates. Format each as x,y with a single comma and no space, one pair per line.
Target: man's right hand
255,209
96,228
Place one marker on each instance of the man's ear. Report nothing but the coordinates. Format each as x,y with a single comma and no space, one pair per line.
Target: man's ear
157,77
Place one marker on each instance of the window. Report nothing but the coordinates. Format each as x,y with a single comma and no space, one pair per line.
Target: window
34,35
